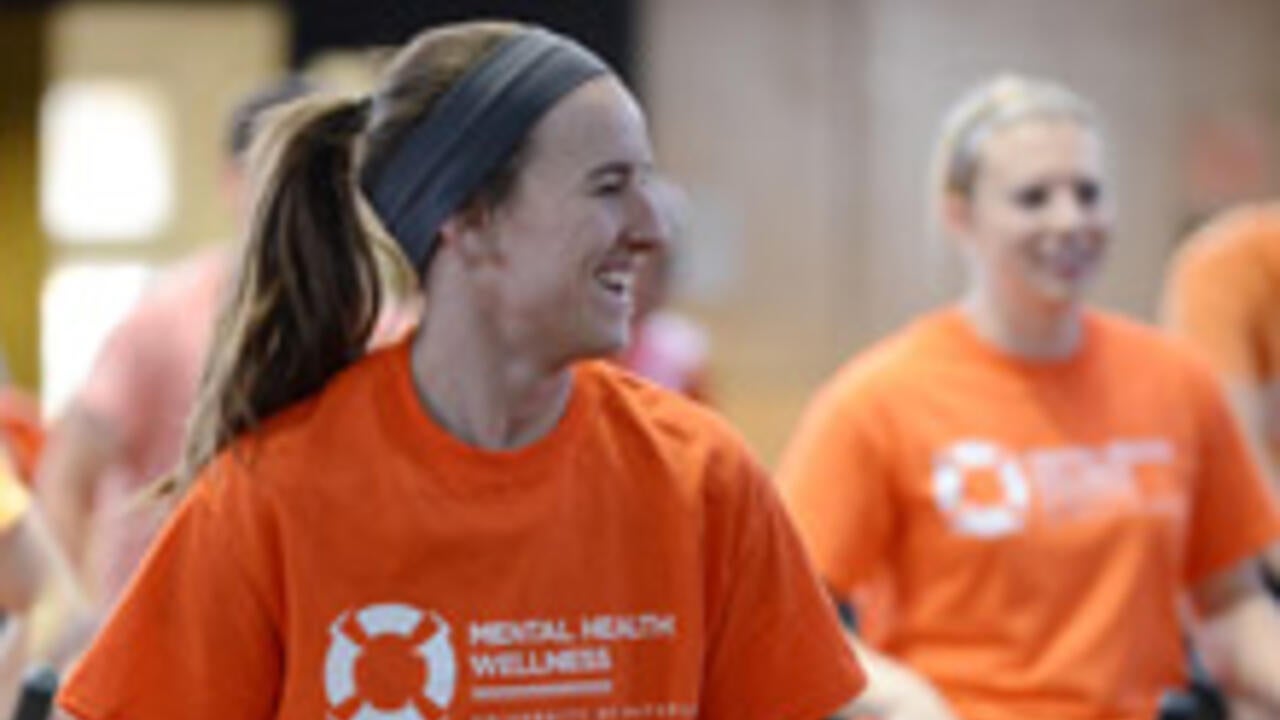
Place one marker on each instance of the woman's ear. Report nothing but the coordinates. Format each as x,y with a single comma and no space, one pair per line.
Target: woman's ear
469,231
956,212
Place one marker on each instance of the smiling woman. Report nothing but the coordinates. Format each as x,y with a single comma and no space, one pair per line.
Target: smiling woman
361,536
1019,489
1022,188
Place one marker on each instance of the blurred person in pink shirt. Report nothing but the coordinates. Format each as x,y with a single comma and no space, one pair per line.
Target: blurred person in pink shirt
667,347
123,428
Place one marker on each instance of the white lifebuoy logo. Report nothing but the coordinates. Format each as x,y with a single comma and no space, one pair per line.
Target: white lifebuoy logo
389,662
958,468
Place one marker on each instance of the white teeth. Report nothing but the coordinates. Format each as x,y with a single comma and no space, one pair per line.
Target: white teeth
617,281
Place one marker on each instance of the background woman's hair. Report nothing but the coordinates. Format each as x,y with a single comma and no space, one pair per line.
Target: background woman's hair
997,103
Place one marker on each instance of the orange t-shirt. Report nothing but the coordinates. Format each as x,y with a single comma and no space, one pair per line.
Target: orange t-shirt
1223,297
354,560
1021,532
1223,293
21,431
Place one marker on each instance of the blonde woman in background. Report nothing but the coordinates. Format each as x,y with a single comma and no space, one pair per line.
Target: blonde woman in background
1018,487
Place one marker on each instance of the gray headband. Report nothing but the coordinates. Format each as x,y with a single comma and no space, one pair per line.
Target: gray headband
473,128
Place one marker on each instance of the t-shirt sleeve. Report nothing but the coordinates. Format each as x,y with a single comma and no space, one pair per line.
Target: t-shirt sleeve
775,650
1212,304
194,636
836,484
1234,514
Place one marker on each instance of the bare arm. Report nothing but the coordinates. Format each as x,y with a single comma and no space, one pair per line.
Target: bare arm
47,619
79,451
23,568
1240,634
1257,407
36,584
894,691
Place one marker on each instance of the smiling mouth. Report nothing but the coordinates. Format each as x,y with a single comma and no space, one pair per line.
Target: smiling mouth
619,283
1066,269
1070,263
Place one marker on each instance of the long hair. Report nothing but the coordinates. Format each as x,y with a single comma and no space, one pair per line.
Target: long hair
307,291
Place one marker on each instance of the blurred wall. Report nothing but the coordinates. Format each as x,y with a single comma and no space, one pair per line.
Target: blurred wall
803,132
201,58
22,247
183,67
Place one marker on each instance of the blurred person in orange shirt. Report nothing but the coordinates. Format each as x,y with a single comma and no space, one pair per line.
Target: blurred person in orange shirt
22,432
1222,295
1017,490
667,347
123,429
483,520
